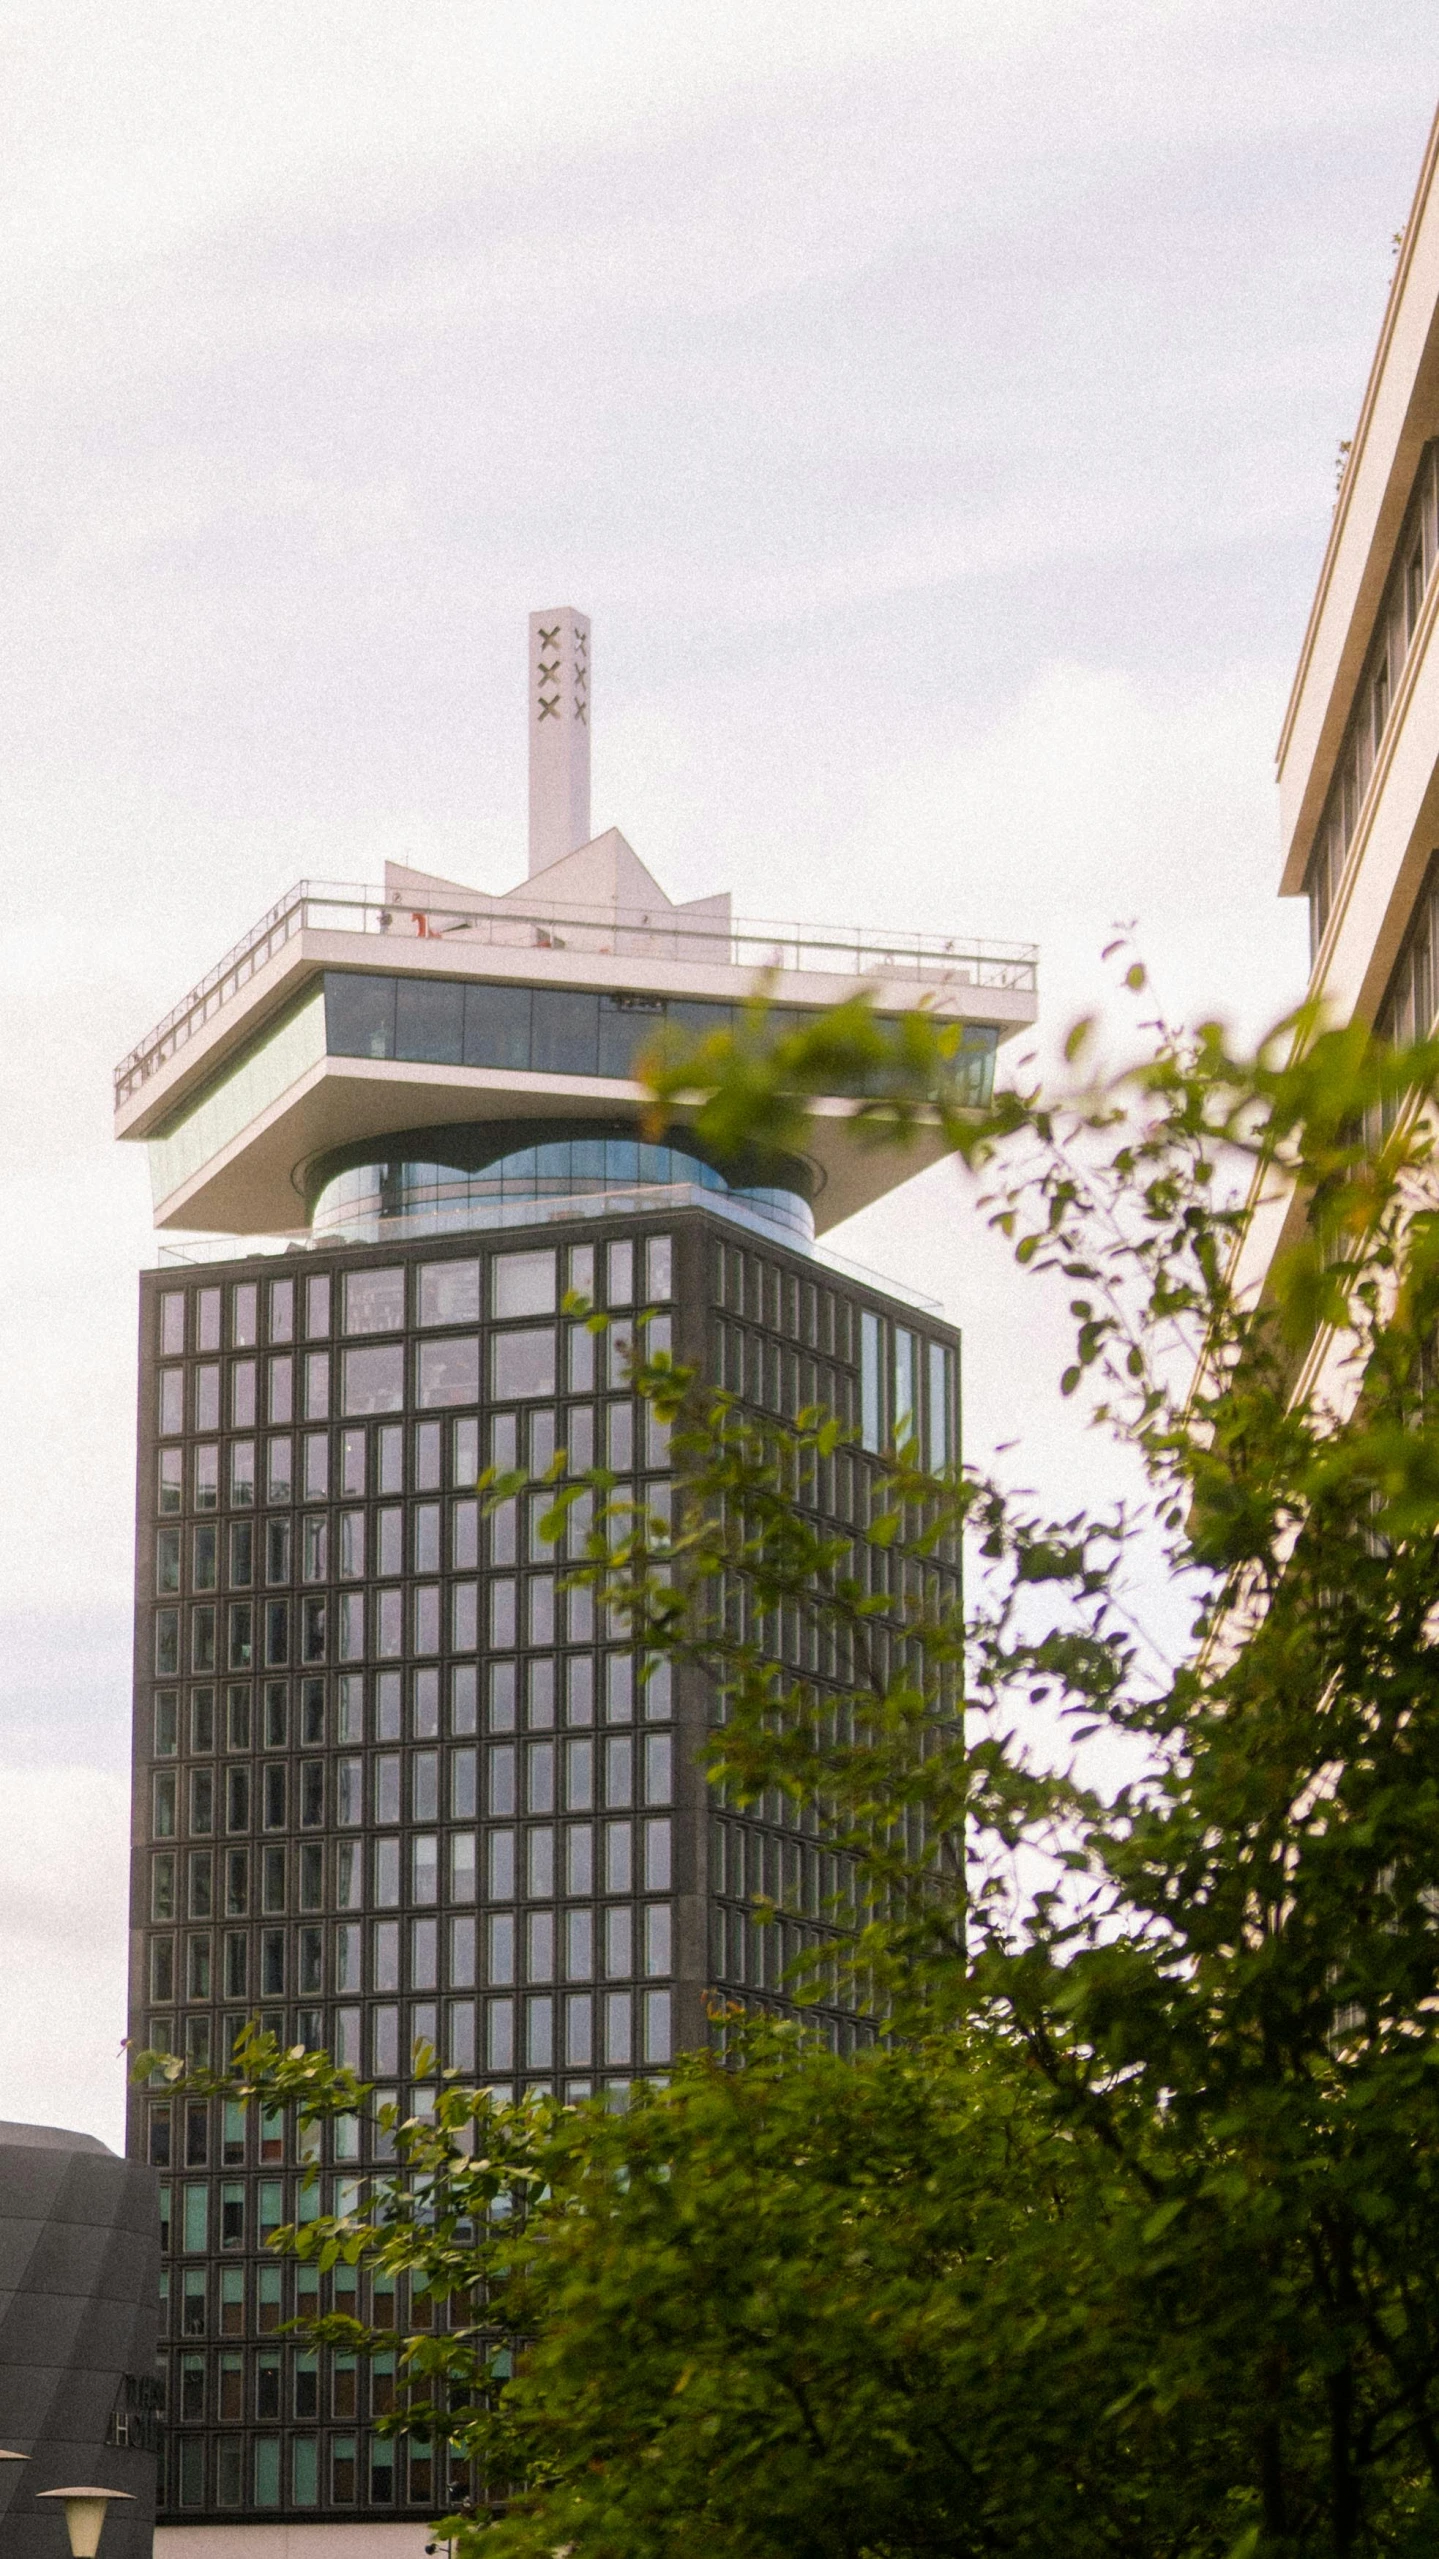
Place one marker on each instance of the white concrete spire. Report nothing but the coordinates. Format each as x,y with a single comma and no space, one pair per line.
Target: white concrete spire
559,695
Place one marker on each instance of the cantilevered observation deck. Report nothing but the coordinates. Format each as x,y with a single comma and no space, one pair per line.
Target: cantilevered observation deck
355,1023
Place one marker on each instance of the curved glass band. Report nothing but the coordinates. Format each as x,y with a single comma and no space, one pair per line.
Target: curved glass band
368,1199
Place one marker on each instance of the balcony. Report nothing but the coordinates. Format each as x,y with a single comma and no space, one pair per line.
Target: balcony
941,967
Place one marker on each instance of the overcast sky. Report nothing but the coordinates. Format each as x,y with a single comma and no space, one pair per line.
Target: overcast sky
935,408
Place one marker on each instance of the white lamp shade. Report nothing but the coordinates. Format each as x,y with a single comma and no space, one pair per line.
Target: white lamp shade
85,2514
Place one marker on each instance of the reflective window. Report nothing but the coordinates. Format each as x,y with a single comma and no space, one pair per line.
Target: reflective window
620,1272
374,1380
426,1536
448,1372
523,1363
425,1867
449,1293
939,1453
500,1966
281,1407
524,1284
374,1303
657,1938
171,1402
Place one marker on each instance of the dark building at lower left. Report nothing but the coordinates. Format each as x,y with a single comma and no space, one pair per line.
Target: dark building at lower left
79,2318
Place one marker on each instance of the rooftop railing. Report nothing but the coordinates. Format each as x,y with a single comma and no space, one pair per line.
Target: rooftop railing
652,1199
934,961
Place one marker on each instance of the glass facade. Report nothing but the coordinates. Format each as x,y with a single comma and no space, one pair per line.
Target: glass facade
442,1197
395,1787
539,1030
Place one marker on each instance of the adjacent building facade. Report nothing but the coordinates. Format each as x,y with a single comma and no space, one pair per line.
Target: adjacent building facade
79,2290
1359,752
394,1786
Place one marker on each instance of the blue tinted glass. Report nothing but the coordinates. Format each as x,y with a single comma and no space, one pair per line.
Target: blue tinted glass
623,1029
497,1025
359,1015
565,1031
697,1019
429,1020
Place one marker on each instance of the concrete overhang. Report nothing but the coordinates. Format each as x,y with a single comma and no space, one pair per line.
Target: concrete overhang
256,1184
282,978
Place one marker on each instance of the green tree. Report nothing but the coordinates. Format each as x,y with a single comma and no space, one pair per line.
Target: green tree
1124,2235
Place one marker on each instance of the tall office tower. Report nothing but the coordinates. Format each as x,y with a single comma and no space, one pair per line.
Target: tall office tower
392,1782
1359,749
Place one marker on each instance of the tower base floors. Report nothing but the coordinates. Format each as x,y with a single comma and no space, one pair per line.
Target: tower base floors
291,2540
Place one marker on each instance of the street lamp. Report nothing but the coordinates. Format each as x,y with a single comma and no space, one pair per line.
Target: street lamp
85,2514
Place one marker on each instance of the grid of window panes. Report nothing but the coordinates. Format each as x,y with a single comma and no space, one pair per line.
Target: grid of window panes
1396,627
784,1338
397,1786
394,1784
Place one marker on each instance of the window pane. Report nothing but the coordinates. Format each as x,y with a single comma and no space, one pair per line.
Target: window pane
374,1380
870,1421
938,1407
657,1856
523,1363
657,2025
524,1284
375,1300
618,1943
658,1768
497,1026
501,1877
450,1293
620,1273
449,1372
430,1020
282,1388
317,1385
359,1014
564,1037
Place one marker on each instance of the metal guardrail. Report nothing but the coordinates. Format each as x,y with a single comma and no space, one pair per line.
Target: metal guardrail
931,959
